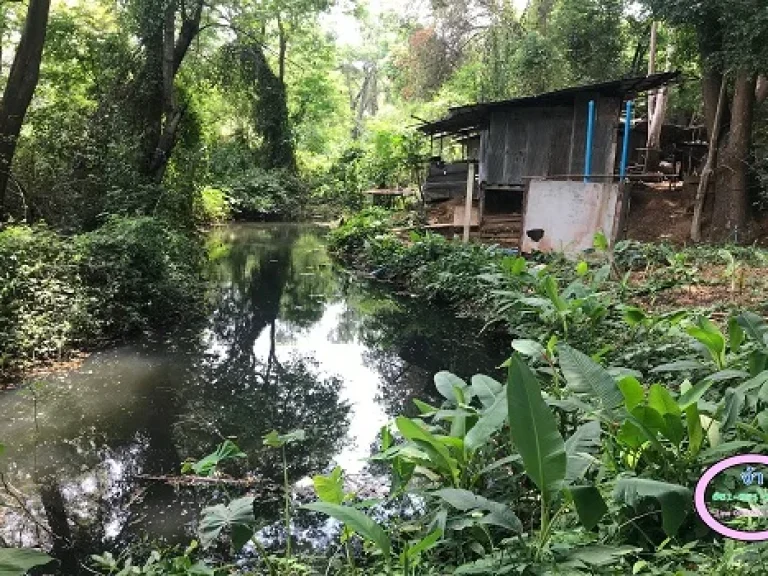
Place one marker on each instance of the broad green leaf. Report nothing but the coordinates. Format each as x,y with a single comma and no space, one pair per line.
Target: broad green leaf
549,284
694,394
675,500
662,402
632,391
227,450
723,450
459,420
735,335
437,451
600,555
582,268
649,422
423,545
587,377
755,382
18,561
534,430
330,488
733,402
583,442
758,362
599,241
489,423
355,521
634,316
237,517
589,503
529,348
755,327
500,462
710,336
466,501
486,389
446,383
712,430
276,440
723,375
695,431
424,408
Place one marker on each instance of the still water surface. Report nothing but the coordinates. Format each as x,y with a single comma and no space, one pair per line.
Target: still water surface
291,342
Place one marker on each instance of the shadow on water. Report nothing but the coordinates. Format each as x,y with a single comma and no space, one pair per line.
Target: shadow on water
291,342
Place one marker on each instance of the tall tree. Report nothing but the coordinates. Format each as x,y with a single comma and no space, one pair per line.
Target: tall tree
157,110
732,36
20,88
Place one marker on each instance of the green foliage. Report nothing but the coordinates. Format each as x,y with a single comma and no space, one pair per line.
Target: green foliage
58,292
139,273
266,194
18,561
209,465
165,563
211,206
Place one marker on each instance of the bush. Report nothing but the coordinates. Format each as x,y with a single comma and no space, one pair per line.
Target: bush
139,273
58,293
268,195
42,300
211,206
352,236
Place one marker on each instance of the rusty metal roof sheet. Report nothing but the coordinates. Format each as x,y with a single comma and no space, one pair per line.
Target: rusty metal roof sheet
476,115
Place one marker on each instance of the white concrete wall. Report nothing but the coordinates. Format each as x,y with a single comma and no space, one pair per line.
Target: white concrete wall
570,213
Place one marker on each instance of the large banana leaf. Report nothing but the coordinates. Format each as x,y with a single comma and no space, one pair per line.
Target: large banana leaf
486,389
534,429
675,500
585,376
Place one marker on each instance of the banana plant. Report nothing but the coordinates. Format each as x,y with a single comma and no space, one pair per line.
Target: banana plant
557,467
668,433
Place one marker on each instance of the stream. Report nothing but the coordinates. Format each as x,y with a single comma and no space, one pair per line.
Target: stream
291,342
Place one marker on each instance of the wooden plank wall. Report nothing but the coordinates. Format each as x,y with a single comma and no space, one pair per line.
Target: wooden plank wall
548,141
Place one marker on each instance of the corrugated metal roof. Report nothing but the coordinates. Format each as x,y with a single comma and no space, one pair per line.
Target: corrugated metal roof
476,115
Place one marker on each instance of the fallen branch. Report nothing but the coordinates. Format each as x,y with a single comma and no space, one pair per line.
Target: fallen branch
190,480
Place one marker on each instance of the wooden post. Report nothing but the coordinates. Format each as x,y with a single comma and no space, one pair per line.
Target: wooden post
468,202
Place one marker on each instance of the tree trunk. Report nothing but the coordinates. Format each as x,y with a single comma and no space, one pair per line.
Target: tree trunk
283,41
20,88
730,217
173,52
709,166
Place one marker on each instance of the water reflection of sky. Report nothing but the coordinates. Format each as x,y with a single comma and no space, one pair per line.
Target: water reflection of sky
344,359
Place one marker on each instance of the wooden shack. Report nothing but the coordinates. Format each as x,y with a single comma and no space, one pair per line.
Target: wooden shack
537,137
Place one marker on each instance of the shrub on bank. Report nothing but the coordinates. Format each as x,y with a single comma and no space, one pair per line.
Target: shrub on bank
58,293
140,274
42,300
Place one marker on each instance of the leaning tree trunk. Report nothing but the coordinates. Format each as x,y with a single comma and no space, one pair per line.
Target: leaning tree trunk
731,214
20,87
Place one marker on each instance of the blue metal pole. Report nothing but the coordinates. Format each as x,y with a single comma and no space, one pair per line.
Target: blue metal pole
590,135
625,144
